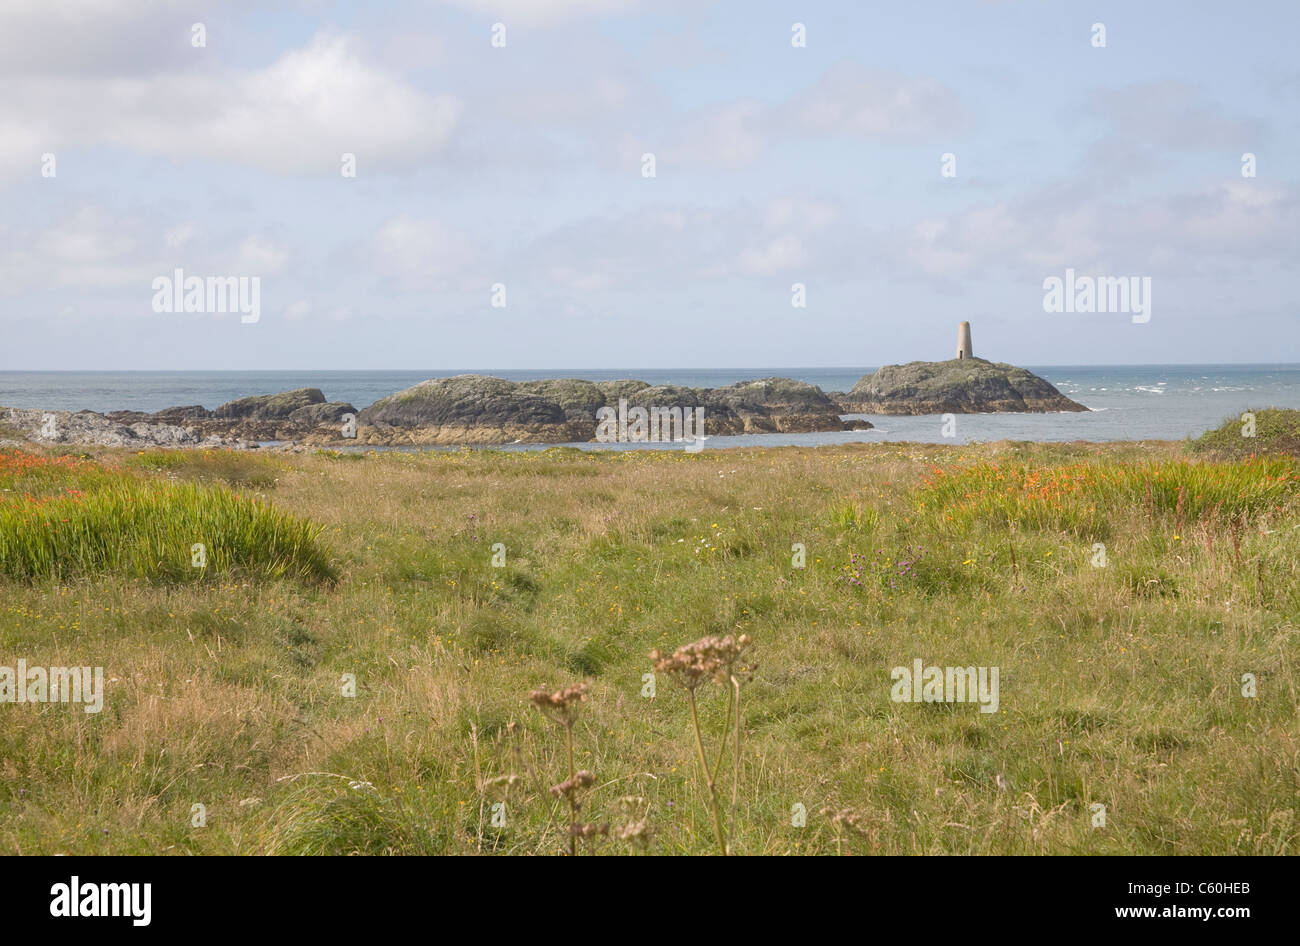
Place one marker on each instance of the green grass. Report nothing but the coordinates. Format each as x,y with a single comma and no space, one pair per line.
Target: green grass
233,468
112,523
1276,430
1120,685
1083,499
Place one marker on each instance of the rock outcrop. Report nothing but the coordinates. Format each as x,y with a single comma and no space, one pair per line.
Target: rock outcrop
959,386
478,409
289,415
269,406
89,428
482,409
466,409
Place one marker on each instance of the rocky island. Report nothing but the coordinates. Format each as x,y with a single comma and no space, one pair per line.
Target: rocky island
962,385
465,409
484,410
959,386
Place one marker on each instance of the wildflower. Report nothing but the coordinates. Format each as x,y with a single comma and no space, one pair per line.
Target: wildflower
707,658
636,833
561,706
569,787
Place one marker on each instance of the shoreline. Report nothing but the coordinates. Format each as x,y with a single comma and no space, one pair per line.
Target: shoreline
486,410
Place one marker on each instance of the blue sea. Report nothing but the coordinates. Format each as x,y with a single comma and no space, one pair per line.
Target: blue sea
1131,402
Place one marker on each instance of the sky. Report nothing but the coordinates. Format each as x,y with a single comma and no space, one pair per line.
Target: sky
500,157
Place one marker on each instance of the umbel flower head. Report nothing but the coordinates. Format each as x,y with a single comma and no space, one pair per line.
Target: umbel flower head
560,706
569,787
636,833
709,658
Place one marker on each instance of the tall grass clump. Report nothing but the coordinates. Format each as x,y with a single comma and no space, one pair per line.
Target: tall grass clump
231,467
359,821
1082,498
149,531
852,517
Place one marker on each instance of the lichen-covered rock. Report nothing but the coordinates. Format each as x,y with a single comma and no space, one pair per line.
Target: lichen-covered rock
88,427
578,399
959,386
480,409
466,409
463,400
315,414
269,406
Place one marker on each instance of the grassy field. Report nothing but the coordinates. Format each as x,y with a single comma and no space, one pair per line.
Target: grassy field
1123,591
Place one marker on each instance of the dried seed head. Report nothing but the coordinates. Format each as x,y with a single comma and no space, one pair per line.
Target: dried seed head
709,658
637,833
508,781
588,830
560,706
568,787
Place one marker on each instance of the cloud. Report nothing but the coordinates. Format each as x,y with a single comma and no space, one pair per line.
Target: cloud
545,11
94,37
258,256
1244,221
648,249
93,248
298,114
1175,115
419,252
848,101
857,101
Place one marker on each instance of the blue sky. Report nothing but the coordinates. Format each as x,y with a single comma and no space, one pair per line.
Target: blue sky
522,165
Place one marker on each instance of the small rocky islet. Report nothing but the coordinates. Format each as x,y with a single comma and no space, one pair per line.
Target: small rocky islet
484,410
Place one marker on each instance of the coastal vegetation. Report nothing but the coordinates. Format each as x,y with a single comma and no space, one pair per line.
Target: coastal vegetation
462,591
63,519
1262,432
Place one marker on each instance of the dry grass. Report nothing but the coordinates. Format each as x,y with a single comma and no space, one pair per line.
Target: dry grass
1119,685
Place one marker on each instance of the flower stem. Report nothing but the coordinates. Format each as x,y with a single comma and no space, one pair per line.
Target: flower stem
573,811
708,780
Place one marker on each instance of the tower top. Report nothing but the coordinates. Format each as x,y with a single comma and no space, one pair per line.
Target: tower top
964,349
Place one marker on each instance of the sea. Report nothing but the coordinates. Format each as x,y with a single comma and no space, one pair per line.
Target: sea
1129,402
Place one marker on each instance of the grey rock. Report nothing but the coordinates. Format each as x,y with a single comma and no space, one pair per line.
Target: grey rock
269,406
315,414
957,386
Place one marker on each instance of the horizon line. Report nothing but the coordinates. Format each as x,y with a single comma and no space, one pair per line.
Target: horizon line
1121,364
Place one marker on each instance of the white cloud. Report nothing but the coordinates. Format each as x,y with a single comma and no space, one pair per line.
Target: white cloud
1246,221
177,236
851,99
258,256
545,11
419,251
298,114
94,37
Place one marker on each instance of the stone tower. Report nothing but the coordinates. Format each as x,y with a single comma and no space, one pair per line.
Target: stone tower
963,341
